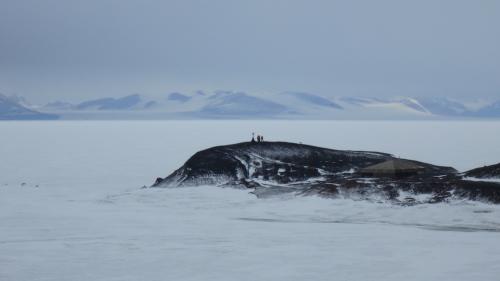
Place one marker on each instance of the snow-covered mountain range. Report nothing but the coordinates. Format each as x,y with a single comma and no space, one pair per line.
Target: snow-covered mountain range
241,105
14,108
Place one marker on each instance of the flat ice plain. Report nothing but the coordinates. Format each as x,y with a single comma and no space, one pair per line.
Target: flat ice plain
71,207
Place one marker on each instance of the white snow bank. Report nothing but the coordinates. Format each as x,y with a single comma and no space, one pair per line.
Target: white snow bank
482,179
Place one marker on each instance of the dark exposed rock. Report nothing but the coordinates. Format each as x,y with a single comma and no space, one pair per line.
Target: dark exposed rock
431,190
492,171
158,181
280,167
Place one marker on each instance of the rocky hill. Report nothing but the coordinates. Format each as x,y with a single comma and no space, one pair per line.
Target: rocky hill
280,167
492,171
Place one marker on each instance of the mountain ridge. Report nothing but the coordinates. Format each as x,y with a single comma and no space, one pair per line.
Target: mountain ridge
285,105
13,109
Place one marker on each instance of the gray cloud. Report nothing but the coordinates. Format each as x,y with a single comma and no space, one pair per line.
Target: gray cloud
81,49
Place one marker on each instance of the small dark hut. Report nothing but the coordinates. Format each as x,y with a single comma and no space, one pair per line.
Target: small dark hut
394,167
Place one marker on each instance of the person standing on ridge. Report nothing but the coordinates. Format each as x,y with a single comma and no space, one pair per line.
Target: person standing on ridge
253,138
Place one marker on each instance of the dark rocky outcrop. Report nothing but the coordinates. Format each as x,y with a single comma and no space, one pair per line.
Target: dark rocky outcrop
279,167
492,171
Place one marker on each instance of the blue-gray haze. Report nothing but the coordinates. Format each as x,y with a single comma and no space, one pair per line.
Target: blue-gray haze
75,50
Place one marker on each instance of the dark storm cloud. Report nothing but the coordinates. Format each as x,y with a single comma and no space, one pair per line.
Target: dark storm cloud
79,49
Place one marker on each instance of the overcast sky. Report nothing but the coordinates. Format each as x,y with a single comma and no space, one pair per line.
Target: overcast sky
74,50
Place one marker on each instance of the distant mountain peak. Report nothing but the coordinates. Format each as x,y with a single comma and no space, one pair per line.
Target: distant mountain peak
12,110
229,104
313,99
126,102
178,97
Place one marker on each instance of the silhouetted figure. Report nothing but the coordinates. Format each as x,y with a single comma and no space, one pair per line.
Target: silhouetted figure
253,138
262,138
258,138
